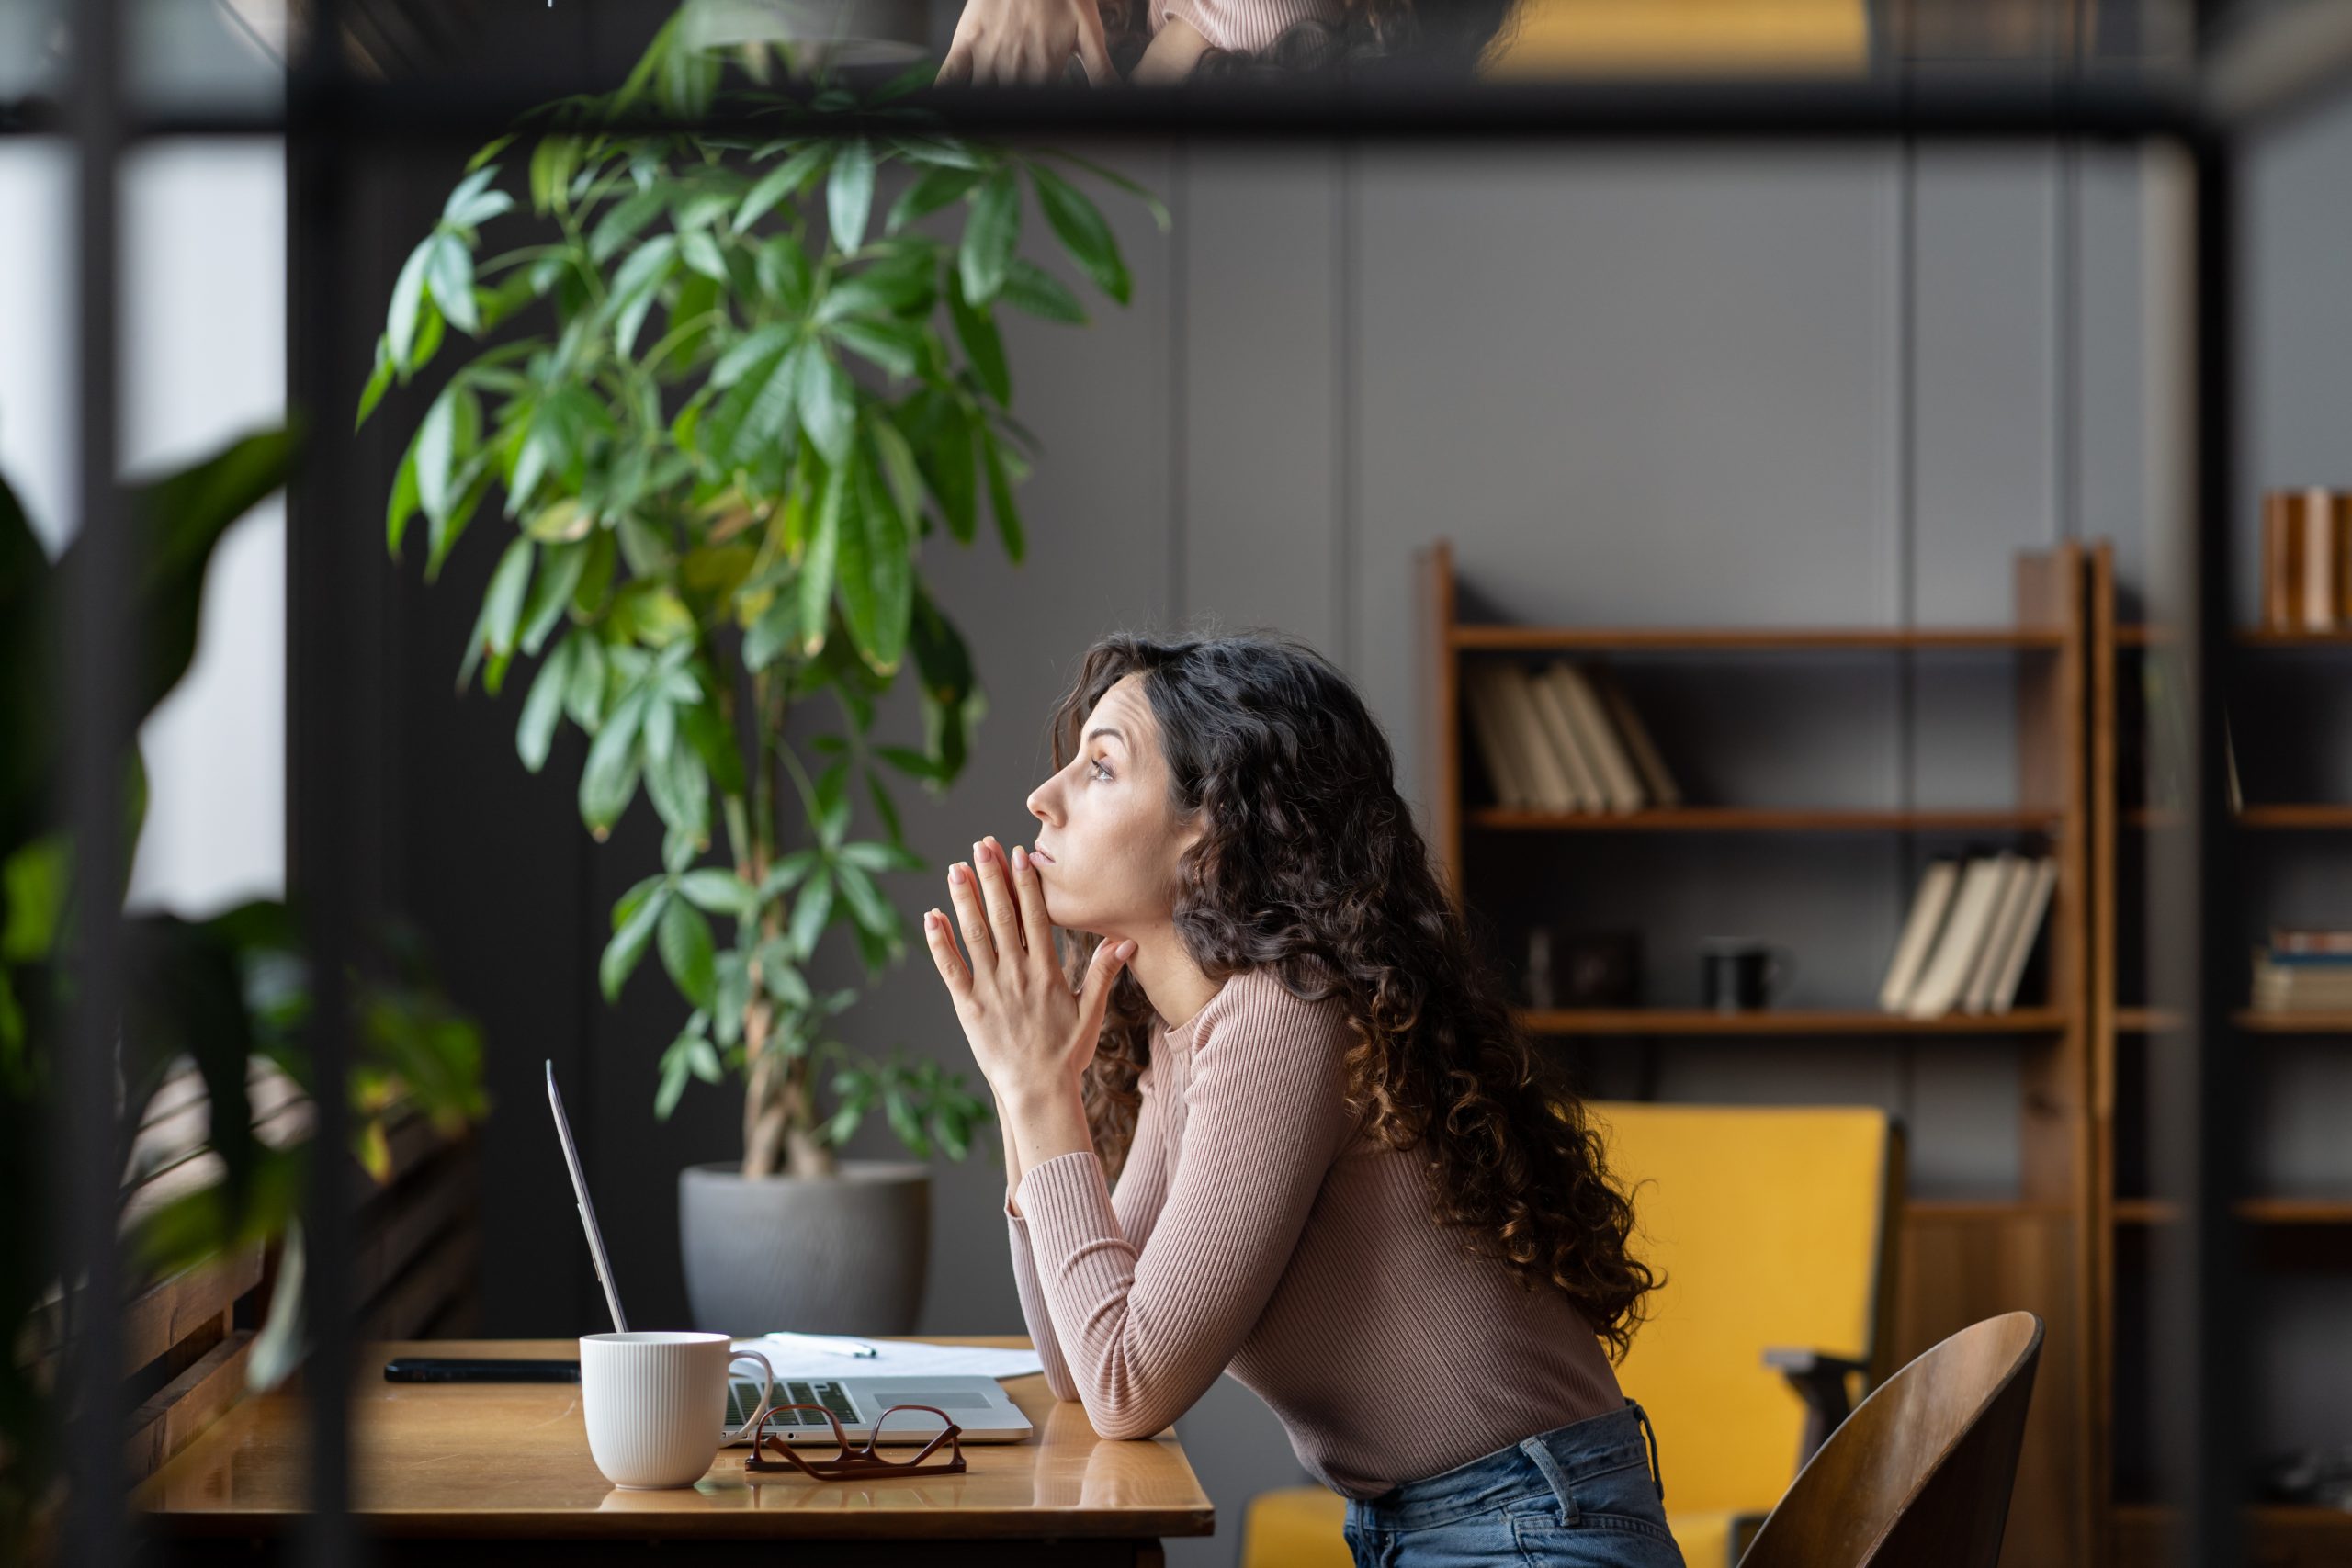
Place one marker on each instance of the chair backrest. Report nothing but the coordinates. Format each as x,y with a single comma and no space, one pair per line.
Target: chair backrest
1772,1225
1920,1474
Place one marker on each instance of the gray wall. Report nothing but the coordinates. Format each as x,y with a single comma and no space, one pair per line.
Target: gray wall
1771,387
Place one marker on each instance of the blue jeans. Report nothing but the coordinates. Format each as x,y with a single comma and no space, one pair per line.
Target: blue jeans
1583,1495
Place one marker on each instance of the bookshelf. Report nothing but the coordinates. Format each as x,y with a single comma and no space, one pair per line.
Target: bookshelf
2300,1232
1960,1262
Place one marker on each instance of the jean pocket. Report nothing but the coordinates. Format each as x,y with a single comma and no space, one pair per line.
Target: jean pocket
1623,1504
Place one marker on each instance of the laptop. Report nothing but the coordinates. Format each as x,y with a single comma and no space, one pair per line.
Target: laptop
976,1404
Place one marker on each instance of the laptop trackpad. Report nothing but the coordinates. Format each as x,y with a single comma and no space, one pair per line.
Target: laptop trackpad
950,1399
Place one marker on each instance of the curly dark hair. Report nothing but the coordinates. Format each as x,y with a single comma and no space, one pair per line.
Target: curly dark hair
1441,38
1310,865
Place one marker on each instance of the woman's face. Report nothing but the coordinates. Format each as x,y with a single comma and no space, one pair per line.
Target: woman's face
1108,841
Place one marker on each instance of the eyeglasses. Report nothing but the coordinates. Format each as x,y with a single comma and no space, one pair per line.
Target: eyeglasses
848,1464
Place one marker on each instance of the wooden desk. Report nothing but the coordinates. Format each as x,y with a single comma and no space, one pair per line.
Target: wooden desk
501,1471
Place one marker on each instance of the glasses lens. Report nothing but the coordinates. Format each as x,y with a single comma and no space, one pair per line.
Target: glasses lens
903,1430
815,1442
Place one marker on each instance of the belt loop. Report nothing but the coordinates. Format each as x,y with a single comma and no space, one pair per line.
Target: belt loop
1657,1477
1536,1449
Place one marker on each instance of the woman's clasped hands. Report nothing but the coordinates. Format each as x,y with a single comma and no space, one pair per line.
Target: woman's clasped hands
1026,42
1030,1036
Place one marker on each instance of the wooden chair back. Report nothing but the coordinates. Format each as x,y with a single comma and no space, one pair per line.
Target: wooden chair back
1920,1474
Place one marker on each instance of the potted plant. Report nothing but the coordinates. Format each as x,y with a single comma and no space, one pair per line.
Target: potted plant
720,451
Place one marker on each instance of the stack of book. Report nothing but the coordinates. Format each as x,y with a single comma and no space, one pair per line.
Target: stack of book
1564,738
2303,971
2306,559
1971,928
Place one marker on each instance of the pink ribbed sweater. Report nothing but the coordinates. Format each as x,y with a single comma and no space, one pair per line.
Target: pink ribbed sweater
1257,1230
1245,24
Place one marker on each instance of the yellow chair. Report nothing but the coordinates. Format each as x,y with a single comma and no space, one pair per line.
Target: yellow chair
1775,1227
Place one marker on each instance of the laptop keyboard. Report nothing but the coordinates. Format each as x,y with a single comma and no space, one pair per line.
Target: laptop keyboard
743,1400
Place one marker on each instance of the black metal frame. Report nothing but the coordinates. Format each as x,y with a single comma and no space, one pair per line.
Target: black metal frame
328,116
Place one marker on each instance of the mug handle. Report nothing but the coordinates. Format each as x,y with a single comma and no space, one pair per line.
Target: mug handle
1779,970
767,1391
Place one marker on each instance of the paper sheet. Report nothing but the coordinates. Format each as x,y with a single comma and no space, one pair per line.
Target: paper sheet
794,1356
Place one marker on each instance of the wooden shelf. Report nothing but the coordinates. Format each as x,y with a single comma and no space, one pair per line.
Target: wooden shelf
1782,1021
2255,1211
2274,816
2148,1021
2138,634
1507,638
1762,820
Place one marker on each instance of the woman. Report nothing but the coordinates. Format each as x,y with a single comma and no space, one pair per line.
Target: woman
1160,42
1342,1174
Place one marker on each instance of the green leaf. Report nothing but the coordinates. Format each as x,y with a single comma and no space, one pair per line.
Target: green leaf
543,708
713,741
943,446
849,195
720,892
785,275
552,162
828,401
583,694
810,912
817,564
408,291
700,251
450,274
1008,516
630,942
445,436
1083,234
990,236
687,952
933,189
403,503
676,1069
755,412
975,329
502,608
1158,209
636,285
775,632
609,781
889,571
1028,286
473,202
551,592
896,346
624,222
904,1123
377,380
787,178
865,901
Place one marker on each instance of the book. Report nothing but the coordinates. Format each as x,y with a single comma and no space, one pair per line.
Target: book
1583,780
1954,960
2285,939
2009,904
1495,744
2300,987
1598,738
2283,561
2023,936
2322,546
1547,781
1655,780
1930,904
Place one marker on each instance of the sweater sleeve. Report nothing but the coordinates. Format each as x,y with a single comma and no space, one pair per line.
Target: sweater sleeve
1247,26
1143,1187
1143,1329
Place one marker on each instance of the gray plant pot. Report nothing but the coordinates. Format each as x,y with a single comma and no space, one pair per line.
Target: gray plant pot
843,1254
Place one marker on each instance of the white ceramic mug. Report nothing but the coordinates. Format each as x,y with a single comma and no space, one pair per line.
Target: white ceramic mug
656,1404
